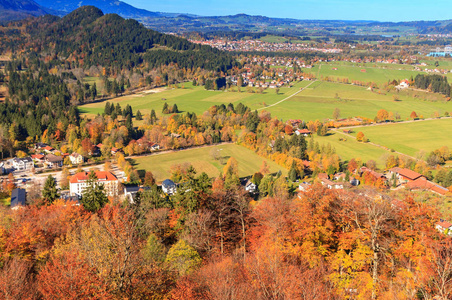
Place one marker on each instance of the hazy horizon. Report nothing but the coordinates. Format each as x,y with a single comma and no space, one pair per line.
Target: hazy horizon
347,10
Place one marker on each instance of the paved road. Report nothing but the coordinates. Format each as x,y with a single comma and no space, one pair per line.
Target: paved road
287,98
395,123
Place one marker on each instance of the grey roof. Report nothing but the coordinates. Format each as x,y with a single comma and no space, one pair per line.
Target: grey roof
168,183
18,197
24,159
131,189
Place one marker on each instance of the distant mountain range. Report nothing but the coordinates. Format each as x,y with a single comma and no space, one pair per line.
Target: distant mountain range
179,22
21,9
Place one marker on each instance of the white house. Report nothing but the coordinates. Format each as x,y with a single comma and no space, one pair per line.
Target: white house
76,158
444,227
250,187
78,183
22,163
332,185
169,187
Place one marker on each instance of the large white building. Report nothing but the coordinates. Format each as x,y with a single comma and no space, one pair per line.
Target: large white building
78,183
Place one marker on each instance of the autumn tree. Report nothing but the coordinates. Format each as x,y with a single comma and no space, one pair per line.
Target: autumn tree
360,137
382,115
183,258
413,115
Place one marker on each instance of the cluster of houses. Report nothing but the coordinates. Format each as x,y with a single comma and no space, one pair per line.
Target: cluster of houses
399,177
258,45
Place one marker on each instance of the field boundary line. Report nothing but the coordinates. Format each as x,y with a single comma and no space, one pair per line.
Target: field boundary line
294,94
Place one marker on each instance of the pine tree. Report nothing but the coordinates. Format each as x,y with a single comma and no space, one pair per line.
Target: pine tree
175,109
93,197
139,117
50,192
165,108
153,117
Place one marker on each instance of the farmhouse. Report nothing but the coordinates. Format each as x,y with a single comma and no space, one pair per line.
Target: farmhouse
423,184
78,183
303,132
404,175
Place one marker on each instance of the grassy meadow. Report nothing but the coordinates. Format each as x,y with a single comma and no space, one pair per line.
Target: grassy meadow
410,138
193,99
349,148
203,160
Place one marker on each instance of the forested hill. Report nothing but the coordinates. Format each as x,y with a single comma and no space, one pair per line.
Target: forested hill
19,9
87,37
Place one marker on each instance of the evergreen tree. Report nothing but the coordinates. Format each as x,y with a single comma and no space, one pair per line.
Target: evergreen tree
165,108
50,192
107,109
139,117
153,117
175,109
93,197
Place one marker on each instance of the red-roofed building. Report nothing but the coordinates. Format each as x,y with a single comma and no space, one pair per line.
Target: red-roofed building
108,180
38,158
423,184
303,132
404,175
444,227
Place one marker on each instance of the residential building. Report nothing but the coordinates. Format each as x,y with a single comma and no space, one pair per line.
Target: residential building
304,186
25,163
78,183
76,158
130,192
444,227
423,184
53,161
18,198
404,175
169,187
250,187
304,132
332,185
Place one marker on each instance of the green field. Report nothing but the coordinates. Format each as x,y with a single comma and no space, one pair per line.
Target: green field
410,138
203,161
349,148
378,73
316,102
193,99
320,99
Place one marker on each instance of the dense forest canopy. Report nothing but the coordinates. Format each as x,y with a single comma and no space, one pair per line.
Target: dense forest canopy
86,37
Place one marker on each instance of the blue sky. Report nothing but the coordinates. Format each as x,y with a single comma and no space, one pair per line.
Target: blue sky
383,10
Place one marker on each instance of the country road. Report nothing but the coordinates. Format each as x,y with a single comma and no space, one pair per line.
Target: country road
287,98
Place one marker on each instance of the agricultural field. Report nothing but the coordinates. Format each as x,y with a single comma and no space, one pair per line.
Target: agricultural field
377,73
410,138
347,148
203,160
193,99
319,100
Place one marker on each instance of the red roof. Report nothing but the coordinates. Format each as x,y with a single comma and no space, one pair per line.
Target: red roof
101,175
407,173
48,148
423,184
444,224
37,156
322,176
303,131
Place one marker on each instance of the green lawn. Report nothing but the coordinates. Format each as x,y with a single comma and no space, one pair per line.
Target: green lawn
203,161
410,138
